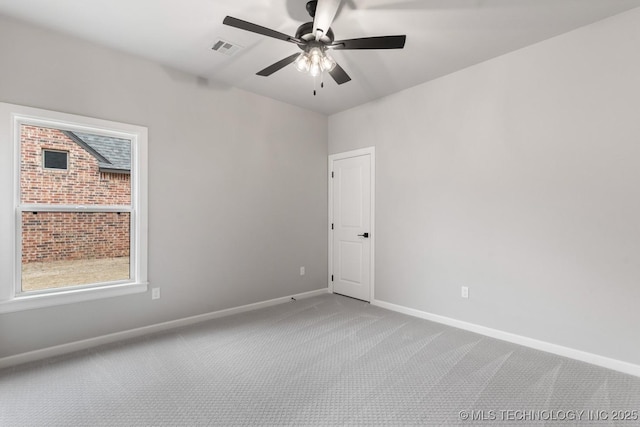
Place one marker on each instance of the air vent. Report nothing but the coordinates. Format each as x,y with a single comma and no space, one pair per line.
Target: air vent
226,47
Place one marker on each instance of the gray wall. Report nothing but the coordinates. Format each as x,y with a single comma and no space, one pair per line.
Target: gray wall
237,185
520,178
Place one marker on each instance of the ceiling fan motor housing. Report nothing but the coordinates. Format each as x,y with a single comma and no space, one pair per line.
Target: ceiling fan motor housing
305,32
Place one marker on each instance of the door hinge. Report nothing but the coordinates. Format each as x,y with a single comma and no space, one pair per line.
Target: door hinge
331,174
332,226
332,277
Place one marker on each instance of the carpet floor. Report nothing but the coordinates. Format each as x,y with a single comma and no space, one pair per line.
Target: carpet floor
327,360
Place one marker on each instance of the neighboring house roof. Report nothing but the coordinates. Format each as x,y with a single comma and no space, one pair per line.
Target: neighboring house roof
113,154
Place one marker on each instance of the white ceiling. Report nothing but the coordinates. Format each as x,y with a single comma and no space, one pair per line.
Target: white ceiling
442,36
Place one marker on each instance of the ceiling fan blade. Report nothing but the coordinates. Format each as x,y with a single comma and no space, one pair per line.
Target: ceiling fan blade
278,65
254,28
325,13
339,75
382,42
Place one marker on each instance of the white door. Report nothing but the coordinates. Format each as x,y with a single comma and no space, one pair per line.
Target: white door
351,214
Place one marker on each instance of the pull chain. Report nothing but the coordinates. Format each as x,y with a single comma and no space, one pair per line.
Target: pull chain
315,82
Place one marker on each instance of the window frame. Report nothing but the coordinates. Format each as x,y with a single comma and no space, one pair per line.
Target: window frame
44,156
12,298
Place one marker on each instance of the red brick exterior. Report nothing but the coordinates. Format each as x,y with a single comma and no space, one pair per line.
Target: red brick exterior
81,184
54,236
58,236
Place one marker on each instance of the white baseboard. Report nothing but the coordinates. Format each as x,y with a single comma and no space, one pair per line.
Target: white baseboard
583,356
133,333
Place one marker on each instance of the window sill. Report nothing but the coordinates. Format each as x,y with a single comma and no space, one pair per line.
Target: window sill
30,302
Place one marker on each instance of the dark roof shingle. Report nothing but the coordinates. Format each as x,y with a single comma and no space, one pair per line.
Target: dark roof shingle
114,154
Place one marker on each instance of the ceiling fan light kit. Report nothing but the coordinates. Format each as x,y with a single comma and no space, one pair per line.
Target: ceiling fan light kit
314,62
314,59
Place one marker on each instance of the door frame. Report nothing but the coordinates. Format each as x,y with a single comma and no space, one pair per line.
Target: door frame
371,152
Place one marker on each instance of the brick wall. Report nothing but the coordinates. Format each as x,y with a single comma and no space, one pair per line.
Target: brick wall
81,184
58,236
55,236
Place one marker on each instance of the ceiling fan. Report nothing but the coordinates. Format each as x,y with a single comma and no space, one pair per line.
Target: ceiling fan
315,39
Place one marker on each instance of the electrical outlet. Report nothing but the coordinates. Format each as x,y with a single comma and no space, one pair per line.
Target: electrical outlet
302,271
155,293
464,292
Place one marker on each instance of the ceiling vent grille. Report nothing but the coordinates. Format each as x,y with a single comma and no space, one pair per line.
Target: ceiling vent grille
226,47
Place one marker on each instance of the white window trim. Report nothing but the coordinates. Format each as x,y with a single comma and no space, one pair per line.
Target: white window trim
11,118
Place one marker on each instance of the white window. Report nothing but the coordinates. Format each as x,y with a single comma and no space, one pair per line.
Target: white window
74,236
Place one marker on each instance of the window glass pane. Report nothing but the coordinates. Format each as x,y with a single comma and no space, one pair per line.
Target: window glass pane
98,168
55,159
61,249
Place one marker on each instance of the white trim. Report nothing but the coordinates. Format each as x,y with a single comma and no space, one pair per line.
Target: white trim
51,297
370,151
58,350
330,221
21,114
583,356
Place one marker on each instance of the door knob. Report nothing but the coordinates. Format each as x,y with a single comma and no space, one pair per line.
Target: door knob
365,235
